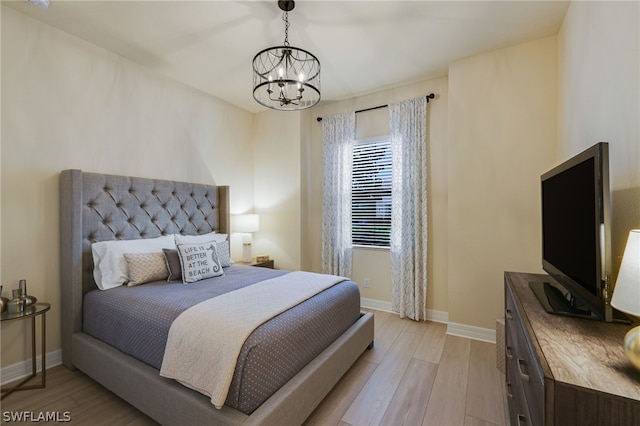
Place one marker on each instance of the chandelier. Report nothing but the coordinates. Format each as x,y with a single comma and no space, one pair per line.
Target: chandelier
286,78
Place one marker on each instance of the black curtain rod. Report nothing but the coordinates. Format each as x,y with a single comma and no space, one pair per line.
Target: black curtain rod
429,96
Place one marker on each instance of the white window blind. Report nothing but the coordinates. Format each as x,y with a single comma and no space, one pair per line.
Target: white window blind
371,193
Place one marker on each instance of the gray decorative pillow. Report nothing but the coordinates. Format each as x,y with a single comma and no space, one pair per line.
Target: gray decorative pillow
145,268
223,253
172,259
199,261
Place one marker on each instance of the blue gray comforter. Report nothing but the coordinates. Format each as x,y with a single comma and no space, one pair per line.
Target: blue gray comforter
136,320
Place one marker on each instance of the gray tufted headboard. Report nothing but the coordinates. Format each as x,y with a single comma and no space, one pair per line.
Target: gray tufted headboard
97,207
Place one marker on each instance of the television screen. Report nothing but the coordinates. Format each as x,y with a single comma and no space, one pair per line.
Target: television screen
575,235
569,224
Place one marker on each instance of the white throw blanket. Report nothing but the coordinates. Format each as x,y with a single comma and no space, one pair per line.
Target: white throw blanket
205,340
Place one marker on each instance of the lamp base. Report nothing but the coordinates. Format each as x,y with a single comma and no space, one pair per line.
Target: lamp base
247,252
632,346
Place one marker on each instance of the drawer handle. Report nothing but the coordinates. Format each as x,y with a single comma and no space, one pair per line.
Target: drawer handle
523,375
509,393
522,420
508,352
507,313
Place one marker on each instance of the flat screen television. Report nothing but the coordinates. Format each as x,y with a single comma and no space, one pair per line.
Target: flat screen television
576,243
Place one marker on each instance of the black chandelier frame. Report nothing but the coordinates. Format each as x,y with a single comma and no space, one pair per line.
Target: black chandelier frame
279,79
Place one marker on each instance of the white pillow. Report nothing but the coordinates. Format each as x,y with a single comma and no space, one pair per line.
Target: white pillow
204,238
199,261
109,265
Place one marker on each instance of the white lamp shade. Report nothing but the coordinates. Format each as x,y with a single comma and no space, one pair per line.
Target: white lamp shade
626,295
246,223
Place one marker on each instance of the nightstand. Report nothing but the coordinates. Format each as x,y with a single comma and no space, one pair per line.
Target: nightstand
31,312
266,264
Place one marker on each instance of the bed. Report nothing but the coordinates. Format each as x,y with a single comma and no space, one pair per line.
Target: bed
97,207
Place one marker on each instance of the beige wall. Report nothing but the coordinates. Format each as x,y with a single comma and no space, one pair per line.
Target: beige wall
502,137
375,264
276,137
500,119
599,100
69,104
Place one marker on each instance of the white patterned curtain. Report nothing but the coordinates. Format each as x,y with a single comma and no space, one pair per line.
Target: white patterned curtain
408,129
338,135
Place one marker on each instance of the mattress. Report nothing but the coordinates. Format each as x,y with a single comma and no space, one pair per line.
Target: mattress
136,320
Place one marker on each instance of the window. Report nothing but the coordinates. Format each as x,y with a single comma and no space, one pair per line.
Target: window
371,193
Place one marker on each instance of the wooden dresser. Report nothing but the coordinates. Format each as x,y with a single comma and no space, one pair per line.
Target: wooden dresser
564,371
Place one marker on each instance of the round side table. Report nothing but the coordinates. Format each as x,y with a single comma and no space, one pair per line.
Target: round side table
30,312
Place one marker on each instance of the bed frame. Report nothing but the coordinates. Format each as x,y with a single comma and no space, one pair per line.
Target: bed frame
97,207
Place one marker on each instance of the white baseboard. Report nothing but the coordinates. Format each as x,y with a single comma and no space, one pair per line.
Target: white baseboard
453,329
471,332
21,369
378,305
438,316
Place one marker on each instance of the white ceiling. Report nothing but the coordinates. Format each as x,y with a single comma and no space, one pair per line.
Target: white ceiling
363,46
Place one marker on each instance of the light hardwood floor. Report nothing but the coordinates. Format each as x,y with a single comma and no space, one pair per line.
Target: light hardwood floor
415,375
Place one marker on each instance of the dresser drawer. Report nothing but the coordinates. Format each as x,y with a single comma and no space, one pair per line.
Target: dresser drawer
524,370
527,393
518,408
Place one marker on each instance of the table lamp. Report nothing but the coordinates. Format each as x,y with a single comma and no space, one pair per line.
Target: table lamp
626,294
247,224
